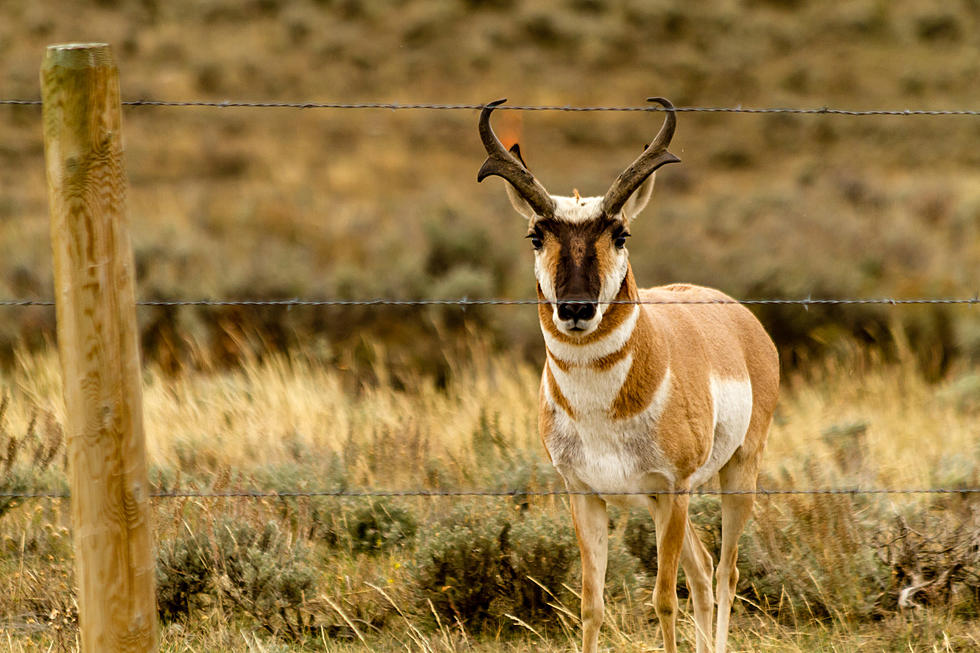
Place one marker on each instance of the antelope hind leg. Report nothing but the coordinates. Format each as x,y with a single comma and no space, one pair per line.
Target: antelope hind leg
736,509
698,566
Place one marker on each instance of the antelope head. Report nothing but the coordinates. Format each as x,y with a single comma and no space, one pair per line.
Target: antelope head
580,255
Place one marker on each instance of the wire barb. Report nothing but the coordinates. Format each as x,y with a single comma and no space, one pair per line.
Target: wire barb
278,494
394,106
465,301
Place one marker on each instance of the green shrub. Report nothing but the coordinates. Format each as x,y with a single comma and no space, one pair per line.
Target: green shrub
458,568
265,575
541,547
257,570
479,568
361,525
379,525
814,551
32,462
184,570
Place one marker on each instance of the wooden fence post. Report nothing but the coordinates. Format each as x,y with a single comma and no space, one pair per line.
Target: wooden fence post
98,344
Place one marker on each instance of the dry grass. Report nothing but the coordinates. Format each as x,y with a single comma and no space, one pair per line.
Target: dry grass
288,422
283,407
237,203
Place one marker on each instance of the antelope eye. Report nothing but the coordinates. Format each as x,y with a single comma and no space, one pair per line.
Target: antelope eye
619,240
536,241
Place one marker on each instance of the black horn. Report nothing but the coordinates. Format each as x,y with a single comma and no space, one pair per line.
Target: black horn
654,156
502,163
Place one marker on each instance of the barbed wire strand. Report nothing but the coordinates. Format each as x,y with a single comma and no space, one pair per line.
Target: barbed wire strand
394,106
806,302
480,302
276,494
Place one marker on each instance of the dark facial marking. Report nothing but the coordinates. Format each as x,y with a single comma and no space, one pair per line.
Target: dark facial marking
577,276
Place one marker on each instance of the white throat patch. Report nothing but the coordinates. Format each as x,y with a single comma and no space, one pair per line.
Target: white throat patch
585,354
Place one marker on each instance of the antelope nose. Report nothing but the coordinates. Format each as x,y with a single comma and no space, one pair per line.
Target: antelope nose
576,311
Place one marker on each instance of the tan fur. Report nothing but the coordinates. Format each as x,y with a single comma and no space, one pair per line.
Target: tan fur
557,395
698,340
614,317
605,362
546,420
695,341
564,366
669,393
603,252
649,367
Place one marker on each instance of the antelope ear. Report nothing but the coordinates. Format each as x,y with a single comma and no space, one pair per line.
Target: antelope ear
639,199
519,203
515,149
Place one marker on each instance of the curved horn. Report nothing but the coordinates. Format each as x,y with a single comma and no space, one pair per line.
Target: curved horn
502,163
654,156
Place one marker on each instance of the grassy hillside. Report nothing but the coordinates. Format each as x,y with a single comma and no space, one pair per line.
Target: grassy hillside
283,203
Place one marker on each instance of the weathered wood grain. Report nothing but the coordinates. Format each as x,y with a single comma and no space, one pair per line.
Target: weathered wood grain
97,340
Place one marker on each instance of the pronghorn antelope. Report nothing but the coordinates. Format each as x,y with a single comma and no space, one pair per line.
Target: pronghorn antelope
644,391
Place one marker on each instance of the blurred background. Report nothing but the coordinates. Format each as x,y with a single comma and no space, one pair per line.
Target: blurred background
249,203
284,203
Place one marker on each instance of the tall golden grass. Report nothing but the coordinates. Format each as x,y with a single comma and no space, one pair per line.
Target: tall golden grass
236,203
911,433
278,422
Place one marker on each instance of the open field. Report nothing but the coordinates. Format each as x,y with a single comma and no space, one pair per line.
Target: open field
819,573
263,204
286,203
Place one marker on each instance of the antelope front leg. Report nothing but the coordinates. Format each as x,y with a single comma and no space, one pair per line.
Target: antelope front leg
591,529
670,514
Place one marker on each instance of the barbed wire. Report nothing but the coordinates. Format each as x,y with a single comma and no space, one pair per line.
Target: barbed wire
394,106
277,494
805,302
